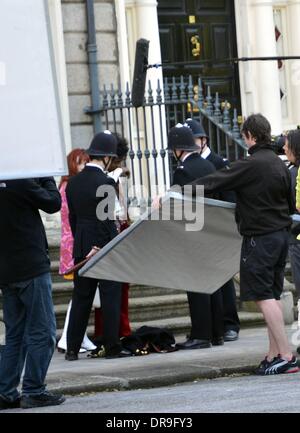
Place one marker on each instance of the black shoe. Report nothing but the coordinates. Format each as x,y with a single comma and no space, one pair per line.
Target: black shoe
219,341
120,354
263,366
193,344
280,366
71,356
231,335
8,404
40,400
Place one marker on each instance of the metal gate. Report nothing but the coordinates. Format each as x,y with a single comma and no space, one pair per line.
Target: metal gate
146,129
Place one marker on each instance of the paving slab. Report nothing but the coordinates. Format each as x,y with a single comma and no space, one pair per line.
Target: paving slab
100,374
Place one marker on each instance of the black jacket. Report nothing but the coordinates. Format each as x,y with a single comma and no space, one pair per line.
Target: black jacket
217,160
263,188
220,163
295,230
23,245
193,167
87,229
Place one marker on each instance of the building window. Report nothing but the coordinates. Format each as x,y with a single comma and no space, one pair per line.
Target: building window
280,36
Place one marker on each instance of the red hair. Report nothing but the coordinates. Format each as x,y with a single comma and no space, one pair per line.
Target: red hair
75,157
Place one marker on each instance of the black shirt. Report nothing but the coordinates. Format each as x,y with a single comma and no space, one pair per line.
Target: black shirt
263,189
23,246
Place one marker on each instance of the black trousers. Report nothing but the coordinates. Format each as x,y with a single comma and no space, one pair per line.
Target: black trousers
206,315
231,318
82,301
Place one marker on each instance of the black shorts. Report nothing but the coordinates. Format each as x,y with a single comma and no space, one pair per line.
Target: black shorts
262,266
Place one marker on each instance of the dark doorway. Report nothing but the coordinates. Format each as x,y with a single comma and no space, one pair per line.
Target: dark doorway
201,31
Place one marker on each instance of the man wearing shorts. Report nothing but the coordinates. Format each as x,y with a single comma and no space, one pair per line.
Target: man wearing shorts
263,207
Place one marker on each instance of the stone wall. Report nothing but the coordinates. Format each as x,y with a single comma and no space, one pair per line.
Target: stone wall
75,36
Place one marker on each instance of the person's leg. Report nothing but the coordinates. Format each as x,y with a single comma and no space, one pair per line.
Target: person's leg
273,348
62,344
82,300
125,329
98,323
12,359
231,318
274,318
200,311
217,314
110,295
40,333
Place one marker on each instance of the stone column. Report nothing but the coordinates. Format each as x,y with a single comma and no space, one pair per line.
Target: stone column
293,12
267,77
145,21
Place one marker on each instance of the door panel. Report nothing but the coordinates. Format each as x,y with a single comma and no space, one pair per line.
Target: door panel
186,23
211,5
220,40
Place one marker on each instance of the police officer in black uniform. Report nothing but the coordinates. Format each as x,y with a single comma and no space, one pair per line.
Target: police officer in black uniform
205,310
231,319
90,233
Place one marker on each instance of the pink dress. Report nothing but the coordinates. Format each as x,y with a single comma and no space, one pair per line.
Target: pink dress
66,243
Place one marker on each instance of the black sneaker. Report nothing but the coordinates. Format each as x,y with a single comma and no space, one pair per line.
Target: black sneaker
263,366
40,400
280,365
8,404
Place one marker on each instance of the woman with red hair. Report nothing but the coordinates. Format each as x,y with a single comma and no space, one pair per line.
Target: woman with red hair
77,159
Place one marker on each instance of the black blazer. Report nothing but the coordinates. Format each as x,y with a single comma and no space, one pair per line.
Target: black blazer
193,167
87,229
23,243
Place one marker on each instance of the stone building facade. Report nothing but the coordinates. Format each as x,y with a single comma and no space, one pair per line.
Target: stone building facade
75,38
119,23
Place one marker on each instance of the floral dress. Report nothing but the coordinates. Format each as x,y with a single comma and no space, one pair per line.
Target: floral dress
66,244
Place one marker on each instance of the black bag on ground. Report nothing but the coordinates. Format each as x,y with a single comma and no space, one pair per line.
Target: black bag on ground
149,339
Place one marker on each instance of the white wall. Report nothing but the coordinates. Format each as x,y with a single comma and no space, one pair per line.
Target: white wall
259,80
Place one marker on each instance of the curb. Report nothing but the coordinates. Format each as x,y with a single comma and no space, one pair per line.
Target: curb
119,384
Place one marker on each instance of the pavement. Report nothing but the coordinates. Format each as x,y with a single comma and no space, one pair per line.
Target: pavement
154,370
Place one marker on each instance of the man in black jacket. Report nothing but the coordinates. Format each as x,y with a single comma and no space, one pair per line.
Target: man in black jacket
263,190
231,318
92,233
206,311
27,293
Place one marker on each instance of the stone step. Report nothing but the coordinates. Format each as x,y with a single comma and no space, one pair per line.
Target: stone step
54,249
142,309
180,325
60,314
158,307
62,292
137,291
54,272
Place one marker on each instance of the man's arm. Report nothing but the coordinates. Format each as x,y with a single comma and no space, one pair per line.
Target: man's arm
229,178
43,194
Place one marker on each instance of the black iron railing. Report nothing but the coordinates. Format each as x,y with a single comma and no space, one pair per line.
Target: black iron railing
146,128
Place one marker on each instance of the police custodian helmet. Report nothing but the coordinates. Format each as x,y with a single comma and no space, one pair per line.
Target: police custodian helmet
196,128
180,137
103,144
